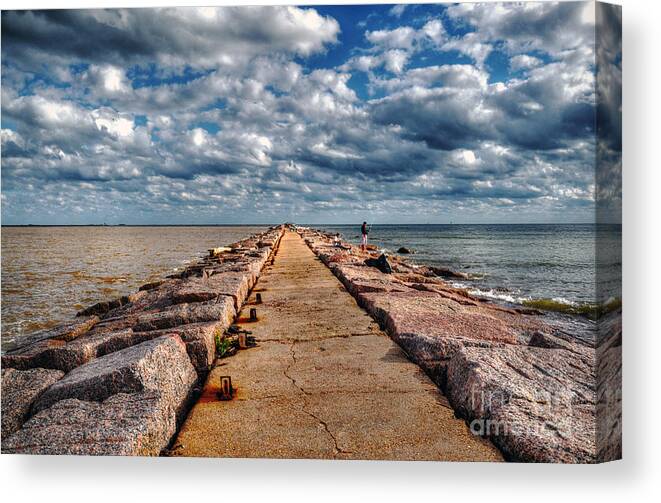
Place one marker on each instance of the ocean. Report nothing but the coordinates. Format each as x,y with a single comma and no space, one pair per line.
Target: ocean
50,273
549,266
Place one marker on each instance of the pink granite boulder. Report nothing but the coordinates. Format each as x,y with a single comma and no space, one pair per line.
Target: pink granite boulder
20,388
137,424
220,309
536,404
160,364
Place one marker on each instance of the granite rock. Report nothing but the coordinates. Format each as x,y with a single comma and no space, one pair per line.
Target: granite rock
536,404
220,309
161,364
609,387
200,340
20,388
63,332
380,263
138,424
444,272
438,316
230,283
36,355
101,308
67,356
358,278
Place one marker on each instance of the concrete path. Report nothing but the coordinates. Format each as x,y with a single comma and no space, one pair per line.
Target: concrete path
324,382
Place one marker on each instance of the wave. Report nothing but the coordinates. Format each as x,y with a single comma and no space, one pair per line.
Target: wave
494,294
590,310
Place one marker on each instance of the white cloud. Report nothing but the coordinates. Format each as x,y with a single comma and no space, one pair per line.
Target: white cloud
440,137
113,79
198,137
449,76
395,61
524,62
392,49
546,26
470,45
113,123
398,10
399,38
467,156
435,31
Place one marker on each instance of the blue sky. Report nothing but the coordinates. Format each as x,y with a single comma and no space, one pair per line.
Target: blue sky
391,114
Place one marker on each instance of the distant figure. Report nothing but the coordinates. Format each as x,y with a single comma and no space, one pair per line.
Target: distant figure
364,231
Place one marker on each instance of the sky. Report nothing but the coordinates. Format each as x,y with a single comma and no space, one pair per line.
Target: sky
436,113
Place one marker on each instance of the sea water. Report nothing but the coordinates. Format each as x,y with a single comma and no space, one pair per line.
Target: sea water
550,266
50,273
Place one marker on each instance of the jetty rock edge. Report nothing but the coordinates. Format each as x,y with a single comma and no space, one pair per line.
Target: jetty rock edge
121,378
539,394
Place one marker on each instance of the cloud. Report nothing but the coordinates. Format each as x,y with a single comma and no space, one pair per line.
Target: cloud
546,26
609,113
188,114
399,38
524,62
470,45
392,49
398,10
106,80
201,37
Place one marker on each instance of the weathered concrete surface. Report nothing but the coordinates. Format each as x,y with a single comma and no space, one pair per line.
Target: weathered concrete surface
324,382
20,388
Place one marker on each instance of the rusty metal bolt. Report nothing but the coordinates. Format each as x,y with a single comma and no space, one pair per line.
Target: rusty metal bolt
243,344
226,390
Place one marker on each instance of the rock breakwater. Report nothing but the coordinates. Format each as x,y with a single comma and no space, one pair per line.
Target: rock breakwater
119,379
515,379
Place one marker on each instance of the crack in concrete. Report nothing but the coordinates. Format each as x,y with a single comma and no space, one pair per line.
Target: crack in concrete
304,409
286,371
352,392
266,397
288,340
338,450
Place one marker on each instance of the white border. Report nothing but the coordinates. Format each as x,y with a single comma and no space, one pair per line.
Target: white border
72,479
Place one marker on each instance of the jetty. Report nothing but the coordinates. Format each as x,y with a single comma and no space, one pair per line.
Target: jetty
295,344
324,382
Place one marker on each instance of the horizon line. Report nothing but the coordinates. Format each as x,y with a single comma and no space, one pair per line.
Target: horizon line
302,224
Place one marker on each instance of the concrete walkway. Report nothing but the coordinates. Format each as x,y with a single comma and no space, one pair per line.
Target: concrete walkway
324,382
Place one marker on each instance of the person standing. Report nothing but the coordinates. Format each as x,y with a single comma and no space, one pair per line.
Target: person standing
364,231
